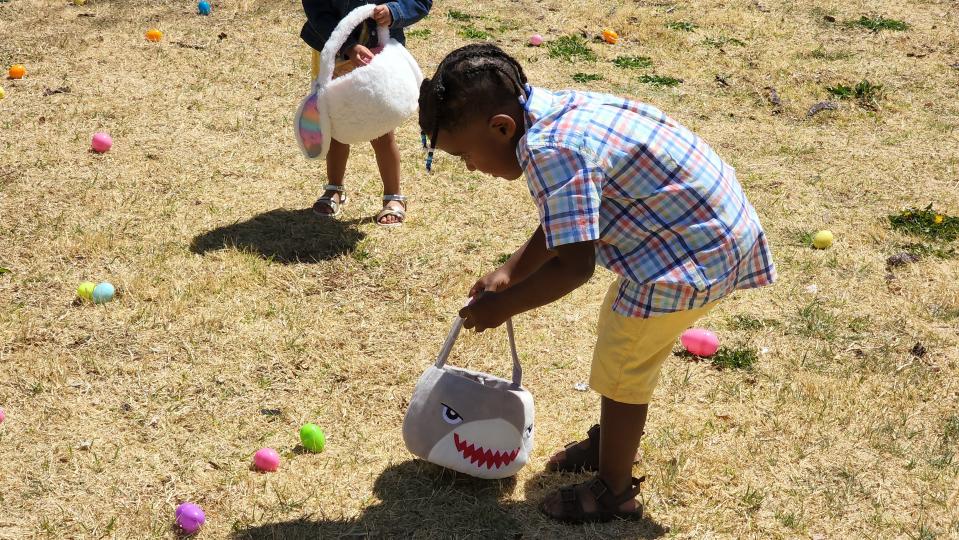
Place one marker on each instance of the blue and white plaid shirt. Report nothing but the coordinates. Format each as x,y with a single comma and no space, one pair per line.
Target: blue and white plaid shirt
666,213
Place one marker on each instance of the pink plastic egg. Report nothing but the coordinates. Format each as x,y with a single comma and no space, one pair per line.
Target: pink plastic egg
700,342
3,415
536,40
101,142
266,459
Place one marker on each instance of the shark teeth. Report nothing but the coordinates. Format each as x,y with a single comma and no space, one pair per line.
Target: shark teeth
479,456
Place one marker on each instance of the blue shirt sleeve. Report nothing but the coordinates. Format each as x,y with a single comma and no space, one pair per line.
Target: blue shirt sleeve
408,12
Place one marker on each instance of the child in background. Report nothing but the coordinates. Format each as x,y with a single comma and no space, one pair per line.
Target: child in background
322,17
616,183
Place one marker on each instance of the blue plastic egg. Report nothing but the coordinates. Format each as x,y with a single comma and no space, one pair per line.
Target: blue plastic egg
203,7
103,293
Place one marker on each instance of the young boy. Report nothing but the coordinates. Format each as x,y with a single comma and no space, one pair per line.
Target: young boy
616,183
322,16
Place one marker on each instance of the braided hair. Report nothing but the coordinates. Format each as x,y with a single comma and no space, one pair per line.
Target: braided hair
478,79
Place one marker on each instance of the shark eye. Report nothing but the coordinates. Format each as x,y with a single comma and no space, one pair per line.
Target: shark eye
450,416
529,431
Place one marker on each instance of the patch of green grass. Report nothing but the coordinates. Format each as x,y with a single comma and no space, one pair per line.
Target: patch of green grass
815,321
840,91
753,499
471,32
920,250
459,15
927,223
4,270
633,62
501,260
681,26
570,49
788,519
950,430
748,322
822,54
586,77
804,238
419,33
881,23
866,93
723,40
735,358
660,80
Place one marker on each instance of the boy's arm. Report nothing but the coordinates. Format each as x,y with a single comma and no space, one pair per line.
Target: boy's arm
526,260
408,12
572,266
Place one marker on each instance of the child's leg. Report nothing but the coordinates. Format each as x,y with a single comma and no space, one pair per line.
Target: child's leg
626,364
336,160
388,162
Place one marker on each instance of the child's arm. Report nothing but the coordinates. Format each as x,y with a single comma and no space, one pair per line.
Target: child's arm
408,12
572,266
526,260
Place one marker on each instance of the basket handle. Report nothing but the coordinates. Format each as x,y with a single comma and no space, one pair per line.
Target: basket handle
455,331
339,36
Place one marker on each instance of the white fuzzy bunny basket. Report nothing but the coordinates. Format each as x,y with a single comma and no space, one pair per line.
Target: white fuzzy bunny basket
364,104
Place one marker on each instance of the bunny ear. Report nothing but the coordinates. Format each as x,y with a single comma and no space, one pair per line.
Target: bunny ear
308,127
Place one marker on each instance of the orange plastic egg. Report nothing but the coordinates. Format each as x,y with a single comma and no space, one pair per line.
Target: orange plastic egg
610,36
154,35
17,71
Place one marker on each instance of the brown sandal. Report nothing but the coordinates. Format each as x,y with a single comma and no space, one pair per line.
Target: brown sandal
607,504
578,458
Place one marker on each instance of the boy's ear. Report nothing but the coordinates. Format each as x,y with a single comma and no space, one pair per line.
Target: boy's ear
503,125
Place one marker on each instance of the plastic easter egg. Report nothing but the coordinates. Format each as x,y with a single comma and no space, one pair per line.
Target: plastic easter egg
700,342
79,2
101,142
3,93
154,35
822,239
204,7
189,517
536,40
103,293
17,71
3,415
312,437
610,36
85,290
266,459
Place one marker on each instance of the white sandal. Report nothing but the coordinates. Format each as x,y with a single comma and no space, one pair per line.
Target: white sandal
400,215
329,202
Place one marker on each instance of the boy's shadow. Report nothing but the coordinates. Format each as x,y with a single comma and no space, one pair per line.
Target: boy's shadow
286,236
418,499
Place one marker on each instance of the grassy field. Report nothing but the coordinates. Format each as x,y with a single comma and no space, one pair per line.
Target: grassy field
240,316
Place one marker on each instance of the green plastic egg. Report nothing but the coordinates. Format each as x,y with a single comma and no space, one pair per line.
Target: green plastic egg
312,437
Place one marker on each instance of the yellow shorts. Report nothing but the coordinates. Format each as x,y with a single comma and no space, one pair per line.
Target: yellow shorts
630,351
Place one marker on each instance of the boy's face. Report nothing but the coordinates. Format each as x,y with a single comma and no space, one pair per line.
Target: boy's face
485,146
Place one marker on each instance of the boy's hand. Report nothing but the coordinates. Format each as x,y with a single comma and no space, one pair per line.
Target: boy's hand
484,312
382,16
359,55
496,281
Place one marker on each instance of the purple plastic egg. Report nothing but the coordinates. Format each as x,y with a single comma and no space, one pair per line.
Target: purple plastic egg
700,342
190,517
266,460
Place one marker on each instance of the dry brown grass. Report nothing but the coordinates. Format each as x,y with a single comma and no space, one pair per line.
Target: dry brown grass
234,299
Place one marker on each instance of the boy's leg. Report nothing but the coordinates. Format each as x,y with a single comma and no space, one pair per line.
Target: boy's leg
626,364
621,427
388,162
336,160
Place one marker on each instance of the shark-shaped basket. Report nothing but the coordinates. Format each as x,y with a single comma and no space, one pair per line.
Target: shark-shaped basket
364,104
471,422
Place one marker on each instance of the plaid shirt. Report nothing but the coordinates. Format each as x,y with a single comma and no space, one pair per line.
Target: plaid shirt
666,213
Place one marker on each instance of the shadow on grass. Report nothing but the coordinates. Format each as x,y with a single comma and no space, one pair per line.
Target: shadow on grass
418,499
286,236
